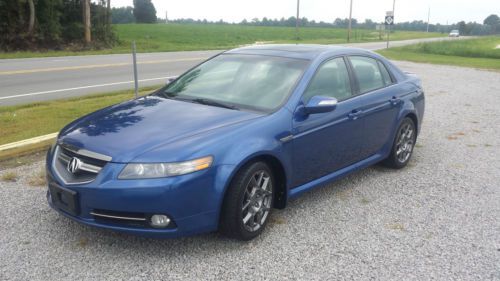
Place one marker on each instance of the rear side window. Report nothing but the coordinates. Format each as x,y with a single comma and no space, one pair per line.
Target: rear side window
330,80
385,74
368,73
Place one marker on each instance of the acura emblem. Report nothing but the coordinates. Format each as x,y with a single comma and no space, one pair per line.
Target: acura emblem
74,165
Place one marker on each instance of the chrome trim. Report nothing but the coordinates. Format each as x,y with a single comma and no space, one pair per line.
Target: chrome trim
287,138
117,217
55,157
87,153
83,166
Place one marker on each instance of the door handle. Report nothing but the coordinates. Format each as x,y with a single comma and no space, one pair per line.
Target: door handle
395,101
355,114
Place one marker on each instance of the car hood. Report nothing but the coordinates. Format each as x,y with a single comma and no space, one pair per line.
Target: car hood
129,129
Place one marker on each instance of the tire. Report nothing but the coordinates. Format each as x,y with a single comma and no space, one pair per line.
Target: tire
403,145
248,202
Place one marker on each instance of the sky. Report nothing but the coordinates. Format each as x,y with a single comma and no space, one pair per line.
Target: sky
441,11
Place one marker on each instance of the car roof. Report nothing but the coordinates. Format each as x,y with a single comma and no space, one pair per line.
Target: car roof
298,51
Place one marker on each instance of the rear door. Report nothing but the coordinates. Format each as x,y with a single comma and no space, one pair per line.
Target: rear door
380,101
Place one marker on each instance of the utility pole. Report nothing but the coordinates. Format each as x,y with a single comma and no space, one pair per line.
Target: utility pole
350,24
428,18
297,21
86,20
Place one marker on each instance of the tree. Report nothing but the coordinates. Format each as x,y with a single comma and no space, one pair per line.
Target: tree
492,20
144,11
122,15
462,27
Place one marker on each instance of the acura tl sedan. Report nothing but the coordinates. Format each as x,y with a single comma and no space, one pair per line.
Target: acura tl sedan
233,138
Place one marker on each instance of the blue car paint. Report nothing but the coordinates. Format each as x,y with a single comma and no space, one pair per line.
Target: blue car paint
152,129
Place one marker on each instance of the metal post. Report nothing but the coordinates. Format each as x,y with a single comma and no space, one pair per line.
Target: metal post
136,83
388,33
390,28
428,18
297,21
350,25
393,6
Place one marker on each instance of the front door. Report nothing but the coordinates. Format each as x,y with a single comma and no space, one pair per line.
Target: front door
326,142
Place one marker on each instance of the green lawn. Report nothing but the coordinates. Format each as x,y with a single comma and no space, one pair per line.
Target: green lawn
36,119
479,52
188,37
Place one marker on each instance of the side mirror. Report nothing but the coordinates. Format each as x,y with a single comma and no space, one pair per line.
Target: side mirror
320,104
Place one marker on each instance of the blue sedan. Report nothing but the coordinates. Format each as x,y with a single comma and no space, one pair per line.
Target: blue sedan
232,139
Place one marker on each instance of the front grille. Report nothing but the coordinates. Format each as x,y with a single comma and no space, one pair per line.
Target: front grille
88,167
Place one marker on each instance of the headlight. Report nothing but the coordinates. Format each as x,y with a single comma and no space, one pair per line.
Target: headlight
162,170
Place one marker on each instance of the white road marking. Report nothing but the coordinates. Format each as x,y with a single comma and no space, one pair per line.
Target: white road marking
83,87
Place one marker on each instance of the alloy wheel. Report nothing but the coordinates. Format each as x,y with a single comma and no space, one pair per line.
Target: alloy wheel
257,201
405,142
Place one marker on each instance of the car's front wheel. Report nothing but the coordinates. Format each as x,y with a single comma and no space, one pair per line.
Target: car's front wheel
404,143
248,202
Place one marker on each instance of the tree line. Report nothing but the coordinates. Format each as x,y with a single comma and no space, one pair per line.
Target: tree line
57,24
491,25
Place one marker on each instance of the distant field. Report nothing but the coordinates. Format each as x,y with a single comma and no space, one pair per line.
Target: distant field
187,37
479,52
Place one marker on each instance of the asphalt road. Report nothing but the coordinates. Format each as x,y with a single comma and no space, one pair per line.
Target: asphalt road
40,79
436,219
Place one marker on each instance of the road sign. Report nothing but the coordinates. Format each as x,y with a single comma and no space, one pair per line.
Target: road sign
389,18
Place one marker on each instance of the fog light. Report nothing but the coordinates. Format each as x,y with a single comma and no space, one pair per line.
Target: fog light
159,221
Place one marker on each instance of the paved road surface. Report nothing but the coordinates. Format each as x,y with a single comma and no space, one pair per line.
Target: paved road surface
39,79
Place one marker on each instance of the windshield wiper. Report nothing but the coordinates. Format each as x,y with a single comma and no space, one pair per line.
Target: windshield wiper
214,103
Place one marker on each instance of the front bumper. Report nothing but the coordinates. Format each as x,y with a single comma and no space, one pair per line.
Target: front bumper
192,201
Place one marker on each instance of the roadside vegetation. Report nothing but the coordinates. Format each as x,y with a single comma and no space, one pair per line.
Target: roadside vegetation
36,119
479,52
190,37
9,177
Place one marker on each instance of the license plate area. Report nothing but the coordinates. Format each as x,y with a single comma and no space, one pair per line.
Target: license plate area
64,199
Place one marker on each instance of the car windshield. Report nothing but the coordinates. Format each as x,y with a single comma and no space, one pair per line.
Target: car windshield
252,82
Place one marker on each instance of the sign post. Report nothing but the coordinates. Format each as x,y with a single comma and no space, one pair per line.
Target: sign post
389,21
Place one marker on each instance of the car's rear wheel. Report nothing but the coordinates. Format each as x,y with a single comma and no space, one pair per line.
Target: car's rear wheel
248,202
404,143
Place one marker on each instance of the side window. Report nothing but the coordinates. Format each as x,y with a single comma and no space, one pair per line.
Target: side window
385,74
368,73
331,80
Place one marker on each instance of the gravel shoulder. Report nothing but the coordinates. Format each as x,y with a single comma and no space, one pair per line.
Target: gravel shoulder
436,219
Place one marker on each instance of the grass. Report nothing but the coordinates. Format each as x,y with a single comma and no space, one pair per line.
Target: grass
21,160
9,176
478,53
190,37
39,179
36,119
